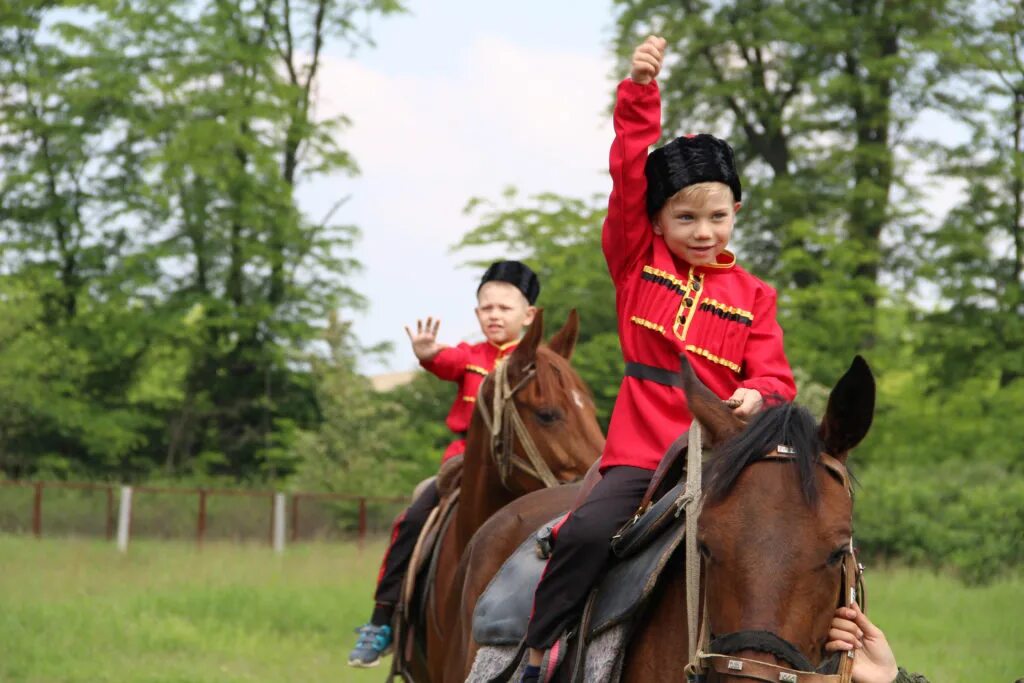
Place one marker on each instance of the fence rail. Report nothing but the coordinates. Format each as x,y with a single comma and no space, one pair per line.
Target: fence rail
75,507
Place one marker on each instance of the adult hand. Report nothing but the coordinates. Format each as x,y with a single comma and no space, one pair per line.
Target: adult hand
647,60
873,660
424,341
747,401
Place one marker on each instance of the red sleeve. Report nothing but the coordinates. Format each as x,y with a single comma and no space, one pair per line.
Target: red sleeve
450,363
765,367
637,121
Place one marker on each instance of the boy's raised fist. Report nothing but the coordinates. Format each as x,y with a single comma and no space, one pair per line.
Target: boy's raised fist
647,60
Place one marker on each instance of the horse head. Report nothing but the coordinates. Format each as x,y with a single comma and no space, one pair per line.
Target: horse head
776,529
538,415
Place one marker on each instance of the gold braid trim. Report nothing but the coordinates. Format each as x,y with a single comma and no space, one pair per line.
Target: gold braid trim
477,369
657,272
648,324
729,309
693,295
712,357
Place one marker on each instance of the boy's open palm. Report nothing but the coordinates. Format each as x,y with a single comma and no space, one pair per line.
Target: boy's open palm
424,341
647,60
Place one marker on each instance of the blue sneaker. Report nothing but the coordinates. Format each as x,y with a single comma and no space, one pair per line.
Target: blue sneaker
374,641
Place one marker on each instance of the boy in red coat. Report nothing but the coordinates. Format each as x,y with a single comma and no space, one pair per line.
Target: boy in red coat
677,290
505,301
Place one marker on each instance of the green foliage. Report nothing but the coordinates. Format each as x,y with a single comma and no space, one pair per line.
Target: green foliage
357,447
423,436
960,514
977,253
157,278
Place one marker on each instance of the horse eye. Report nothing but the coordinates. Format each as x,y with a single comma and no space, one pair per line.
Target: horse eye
548,415
838,555
704,550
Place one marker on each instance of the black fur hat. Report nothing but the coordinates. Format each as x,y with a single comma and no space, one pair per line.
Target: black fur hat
515,273
687,161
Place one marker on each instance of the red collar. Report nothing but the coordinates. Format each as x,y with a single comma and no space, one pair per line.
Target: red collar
504,347
724,261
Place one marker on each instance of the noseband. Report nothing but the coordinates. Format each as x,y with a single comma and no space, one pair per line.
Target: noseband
504,425
718,654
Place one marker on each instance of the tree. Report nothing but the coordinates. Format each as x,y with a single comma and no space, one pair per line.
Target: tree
814,97
68,265
976,256
359,444
151,151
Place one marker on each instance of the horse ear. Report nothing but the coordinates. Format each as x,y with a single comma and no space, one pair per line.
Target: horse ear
526,352
717,418
851,407
564,341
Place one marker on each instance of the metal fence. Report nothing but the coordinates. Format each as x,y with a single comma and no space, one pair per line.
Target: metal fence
123,512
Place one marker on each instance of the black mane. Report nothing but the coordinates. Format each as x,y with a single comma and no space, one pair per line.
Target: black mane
787,424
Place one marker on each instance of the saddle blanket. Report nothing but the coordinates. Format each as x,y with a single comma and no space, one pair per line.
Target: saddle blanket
602,660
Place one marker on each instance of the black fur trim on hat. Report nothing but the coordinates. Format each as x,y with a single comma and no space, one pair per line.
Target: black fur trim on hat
687,161
515,273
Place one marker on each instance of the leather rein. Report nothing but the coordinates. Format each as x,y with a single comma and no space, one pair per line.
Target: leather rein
710,653
505,426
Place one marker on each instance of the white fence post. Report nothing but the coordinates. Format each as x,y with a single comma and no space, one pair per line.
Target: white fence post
124,519
279,522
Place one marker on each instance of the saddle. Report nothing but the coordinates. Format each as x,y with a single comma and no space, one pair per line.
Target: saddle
643,548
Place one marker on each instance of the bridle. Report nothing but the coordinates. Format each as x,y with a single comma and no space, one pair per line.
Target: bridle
715,653
505,425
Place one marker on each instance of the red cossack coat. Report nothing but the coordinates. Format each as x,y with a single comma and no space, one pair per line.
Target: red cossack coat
466,364
720,316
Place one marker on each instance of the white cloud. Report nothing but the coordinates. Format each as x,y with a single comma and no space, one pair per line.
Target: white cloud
508,115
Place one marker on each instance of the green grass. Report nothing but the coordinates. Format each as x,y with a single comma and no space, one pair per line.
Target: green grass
948,631
76,610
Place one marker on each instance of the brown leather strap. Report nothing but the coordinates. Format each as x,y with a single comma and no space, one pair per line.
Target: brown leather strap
677,448
740,667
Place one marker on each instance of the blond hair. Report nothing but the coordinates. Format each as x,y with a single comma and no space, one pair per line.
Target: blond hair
698,194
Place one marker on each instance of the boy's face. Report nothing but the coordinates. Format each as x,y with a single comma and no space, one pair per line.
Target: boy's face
697,222
503,311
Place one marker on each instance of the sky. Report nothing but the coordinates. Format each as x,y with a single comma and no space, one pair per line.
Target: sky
458,99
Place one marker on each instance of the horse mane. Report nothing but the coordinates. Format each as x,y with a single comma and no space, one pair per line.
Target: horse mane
787,424
555,375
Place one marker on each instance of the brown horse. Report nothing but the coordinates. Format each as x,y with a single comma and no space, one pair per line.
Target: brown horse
557,412
775,534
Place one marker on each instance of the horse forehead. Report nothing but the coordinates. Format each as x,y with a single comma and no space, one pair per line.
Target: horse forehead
766,503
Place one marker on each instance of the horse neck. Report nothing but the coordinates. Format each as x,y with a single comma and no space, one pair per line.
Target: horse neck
482,493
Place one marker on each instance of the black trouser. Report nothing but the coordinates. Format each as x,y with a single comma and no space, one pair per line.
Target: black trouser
403,541
581,551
